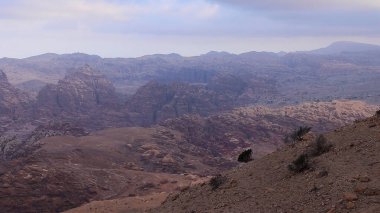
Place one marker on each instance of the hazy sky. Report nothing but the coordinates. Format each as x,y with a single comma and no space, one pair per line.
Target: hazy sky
129,28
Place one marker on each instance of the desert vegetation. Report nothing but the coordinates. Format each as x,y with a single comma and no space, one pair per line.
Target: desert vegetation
297,134
217,181
300,164
318,147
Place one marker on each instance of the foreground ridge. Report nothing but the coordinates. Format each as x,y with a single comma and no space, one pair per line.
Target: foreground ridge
345,179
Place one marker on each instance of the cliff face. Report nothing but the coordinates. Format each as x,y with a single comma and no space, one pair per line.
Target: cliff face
79,92
13,102
83,96
157,101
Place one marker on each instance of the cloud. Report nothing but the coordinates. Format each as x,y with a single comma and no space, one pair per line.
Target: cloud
135,26
305,4
103,9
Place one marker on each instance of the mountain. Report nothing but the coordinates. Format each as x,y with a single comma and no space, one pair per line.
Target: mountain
159,101
349,73
84,96
346,46
32,87
341,175
14,103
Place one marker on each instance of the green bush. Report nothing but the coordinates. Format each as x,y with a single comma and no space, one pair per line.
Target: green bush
245,156
300,164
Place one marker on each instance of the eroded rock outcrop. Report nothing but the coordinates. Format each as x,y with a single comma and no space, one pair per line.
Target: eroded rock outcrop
83,97
13,102
158,101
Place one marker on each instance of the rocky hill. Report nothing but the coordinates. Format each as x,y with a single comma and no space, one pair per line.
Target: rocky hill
159,101
15,105
336,174
136,163
64,172
83,97
12,101
263,128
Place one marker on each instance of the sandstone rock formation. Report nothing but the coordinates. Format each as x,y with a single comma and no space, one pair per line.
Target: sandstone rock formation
84,97
13,102
157,101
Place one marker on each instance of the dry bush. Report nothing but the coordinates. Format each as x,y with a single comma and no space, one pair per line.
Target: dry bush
297,135
300,164
217,181
319,146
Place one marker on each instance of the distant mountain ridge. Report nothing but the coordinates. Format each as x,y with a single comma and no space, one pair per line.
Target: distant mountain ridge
340,62
345,46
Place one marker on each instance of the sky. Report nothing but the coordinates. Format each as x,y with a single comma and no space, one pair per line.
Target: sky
132,28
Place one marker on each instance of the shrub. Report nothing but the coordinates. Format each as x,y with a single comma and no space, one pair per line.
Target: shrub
245,156
319,146
217,181
300,164
378,113
297,135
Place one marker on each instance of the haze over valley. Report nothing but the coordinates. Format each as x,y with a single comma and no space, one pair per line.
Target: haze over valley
189,106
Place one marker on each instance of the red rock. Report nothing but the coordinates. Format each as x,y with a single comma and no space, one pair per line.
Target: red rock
349,196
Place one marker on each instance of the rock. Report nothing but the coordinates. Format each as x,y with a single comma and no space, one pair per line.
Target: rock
84,96
13,102
360,189
168,159
367,190
349,196
158,101
350,205
364,179
332,210
322,173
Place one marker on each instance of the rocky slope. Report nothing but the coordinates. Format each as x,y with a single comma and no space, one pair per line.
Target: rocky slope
116,164
263,128
342,178
64,172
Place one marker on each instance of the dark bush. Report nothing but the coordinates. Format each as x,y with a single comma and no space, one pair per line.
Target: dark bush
245,156
319,146
378,113
217,181
300,164
297,135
